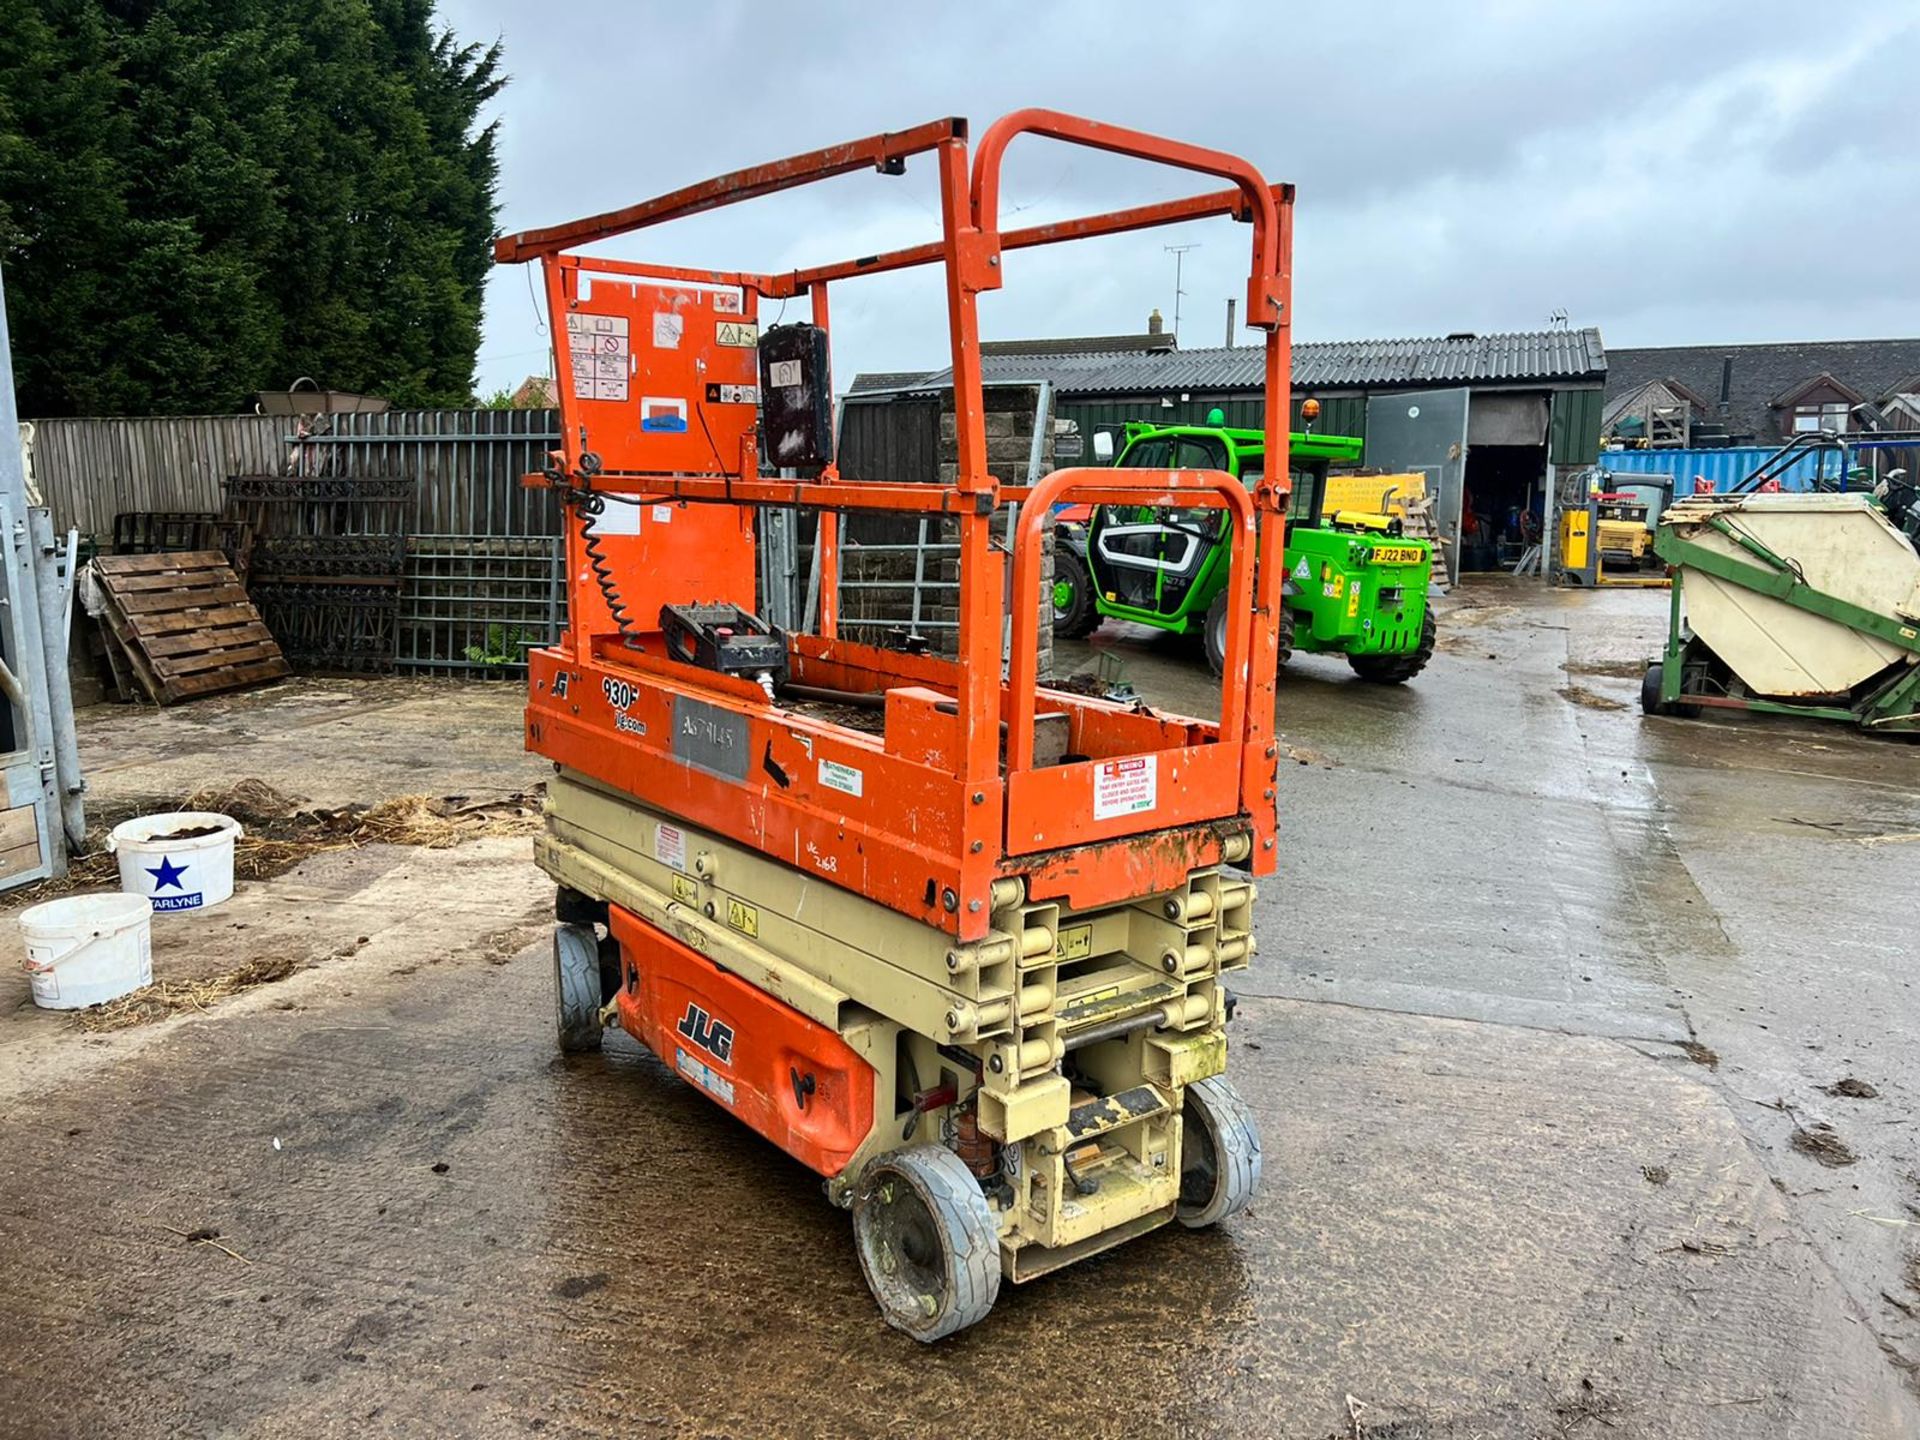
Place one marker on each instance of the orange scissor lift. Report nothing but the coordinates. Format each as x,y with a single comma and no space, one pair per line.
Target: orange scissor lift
964,961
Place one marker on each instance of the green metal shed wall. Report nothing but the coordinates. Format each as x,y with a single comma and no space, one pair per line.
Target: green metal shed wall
1339,414
1573,429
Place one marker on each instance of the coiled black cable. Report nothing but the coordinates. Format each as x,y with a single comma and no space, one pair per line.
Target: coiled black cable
591,505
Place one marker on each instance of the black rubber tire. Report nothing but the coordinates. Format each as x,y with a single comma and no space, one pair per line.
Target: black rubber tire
1214,634
927,1242
576,987
1398,669
1219,1154
1081,616
1650,689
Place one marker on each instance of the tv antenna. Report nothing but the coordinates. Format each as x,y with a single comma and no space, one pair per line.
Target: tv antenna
1179,253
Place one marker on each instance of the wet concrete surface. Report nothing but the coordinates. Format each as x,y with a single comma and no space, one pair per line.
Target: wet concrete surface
1503,1198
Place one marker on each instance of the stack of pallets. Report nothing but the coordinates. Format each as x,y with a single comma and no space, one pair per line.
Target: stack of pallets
180,625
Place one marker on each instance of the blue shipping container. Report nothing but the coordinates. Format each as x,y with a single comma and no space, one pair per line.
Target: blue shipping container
1722,468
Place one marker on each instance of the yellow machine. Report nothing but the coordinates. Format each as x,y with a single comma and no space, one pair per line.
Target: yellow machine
1609,540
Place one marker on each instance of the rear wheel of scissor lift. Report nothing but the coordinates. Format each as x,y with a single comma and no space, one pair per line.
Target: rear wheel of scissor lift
927,1240
576,986
1219,1154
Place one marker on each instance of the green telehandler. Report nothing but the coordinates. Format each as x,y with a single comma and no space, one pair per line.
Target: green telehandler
1355,585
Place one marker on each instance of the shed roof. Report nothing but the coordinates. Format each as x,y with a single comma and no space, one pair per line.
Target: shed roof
1516,358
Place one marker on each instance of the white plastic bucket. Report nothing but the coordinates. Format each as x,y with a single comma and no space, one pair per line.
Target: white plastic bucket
88,949
163,858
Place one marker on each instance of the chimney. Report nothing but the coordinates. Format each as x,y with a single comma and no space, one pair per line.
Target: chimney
1232,305
1155,325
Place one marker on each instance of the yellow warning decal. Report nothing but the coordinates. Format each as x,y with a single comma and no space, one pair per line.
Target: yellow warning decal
1074,943
1353,603
743,917
685,889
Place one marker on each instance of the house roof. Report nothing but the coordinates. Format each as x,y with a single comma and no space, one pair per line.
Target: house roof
1083,345
1763,372
1519,358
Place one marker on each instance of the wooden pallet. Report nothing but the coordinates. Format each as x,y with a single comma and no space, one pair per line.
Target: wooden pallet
182,626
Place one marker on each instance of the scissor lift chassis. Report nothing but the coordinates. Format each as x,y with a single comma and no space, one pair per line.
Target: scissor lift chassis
999,1014
973,980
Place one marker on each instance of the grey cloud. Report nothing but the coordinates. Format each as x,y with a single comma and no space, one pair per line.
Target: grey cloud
1710,172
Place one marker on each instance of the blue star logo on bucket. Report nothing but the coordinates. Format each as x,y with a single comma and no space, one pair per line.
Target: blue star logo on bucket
167,874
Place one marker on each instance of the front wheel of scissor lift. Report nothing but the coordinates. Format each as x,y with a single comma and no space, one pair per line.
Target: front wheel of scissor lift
927,1240
576,987
1219,1154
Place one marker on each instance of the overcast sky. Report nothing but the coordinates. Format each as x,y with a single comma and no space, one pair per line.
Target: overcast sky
1696,173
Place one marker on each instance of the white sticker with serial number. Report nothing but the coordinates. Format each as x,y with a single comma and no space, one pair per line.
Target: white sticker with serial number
844,778
1125,787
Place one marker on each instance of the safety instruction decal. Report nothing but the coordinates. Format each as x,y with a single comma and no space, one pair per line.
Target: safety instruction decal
733,394
743,917
600,350
670,846
668,327
741,334
1302,571
726,302
844,778
663,415
1125,787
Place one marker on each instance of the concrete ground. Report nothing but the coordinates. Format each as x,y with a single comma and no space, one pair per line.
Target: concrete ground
1544,1032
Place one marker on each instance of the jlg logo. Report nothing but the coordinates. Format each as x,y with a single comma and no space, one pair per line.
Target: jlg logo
711,1035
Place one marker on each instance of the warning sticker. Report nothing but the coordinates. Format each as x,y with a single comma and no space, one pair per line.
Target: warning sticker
726,302
741,334
844,778
784,373
684,890
663,514
1075,942
733,394
1125,787
743,917
670,846
1302,571
601,355
667,329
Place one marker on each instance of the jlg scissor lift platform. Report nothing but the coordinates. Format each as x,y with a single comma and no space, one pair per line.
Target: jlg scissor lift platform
968,968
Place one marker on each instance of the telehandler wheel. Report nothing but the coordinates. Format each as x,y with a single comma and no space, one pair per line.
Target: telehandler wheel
1219,1154
1214,634
927,1240
1075,614
576,987
1398,669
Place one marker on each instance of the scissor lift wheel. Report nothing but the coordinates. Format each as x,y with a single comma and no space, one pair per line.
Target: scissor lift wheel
927,1242
576,986
1219,1154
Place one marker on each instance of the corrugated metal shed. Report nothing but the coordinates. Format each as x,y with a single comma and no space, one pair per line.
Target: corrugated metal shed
1537,357
1724,468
